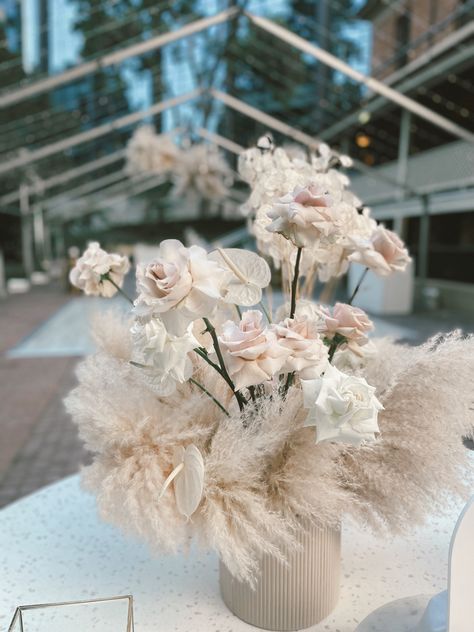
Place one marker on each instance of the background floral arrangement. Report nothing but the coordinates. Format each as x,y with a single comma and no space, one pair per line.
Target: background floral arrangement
197,170
239,425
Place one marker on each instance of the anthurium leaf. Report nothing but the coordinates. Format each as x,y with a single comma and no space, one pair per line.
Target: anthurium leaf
189,483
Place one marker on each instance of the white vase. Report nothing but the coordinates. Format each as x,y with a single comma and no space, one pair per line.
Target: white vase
293,596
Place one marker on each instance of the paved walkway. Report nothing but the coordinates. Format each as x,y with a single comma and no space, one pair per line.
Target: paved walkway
38,444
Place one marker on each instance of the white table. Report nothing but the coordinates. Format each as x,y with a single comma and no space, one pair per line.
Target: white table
53,548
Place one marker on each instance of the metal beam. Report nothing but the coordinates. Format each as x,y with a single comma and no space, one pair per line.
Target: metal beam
265,119
222,141
443,67
87,187
43,185
28,157
57,210
111,59
370,82
132,189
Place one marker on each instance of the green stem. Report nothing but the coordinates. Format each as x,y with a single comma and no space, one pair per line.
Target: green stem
239,311
204,390
106,277
294,284
238,396
337,341
357,287
266,312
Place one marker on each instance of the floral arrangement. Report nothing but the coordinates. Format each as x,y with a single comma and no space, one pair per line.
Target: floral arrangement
212,413
197,170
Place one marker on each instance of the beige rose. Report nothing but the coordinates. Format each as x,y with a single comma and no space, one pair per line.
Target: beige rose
308,354
90,269
383,253
304,216
181,285
348,321
252,352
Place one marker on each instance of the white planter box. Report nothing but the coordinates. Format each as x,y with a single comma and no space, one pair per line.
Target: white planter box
383,295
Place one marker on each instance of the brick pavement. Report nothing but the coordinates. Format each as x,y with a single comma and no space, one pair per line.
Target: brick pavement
38,443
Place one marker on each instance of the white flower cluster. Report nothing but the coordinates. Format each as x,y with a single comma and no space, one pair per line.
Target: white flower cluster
199,170
189,305
297,202
148,152
98,273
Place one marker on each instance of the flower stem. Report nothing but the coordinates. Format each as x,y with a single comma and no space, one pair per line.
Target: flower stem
106,277
204,390
294,284
337,341
266,312
238,396
357,287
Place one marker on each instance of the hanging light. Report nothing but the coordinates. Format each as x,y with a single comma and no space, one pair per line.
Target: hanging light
363,141
364,117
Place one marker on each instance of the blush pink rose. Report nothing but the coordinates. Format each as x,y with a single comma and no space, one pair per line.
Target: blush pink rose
348,321
180,285
304,216
252,352
383,253
308,354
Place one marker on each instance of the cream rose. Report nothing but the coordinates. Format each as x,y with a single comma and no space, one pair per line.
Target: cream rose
181,285
383,253
90,269
348,321
308,354
168,355
342,407
304,216
252,352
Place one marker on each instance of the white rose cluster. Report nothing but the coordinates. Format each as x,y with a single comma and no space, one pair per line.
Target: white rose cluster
99,273
305,202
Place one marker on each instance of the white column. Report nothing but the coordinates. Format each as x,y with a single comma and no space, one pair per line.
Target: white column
26,232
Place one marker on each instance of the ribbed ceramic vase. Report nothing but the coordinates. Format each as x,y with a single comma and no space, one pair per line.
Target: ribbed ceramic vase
291,597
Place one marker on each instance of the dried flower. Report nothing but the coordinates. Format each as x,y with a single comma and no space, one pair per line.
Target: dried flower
342,407
383,253
304,216
253,353
181,285
90,269
148,152
301,336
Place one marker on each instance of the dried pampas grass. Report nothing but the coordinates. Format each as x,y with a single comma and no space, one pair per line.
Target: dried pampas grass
266,476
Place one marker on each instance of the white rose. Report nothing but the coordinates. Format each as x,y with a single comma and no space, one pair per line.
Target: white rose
90,269
181,285
348,359
167,354
252,352
342,407
308,353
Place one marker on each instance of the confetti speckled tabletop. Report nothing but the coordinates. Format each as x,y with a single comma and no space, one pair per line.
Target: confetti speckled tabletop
53,547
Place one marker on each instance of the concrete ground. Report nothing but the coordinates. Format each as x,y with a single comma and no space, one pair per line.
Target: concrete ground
43,334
